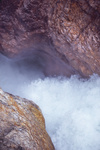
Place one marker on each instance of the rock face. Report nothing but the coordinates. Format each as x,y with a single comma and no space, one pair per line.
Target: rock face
75,30
71,28
22,125
20,24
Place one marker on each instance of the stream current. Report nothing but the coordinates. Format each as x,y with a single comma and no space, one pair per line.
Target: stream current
71,106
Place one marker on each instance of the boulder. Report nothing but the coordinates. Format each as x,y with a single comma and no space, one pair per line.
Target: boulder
22,125
68,31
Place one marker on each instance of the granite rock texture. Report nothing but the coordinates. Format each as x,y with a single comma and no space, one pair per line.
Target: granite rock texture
22,125
72,27
75,30
21,21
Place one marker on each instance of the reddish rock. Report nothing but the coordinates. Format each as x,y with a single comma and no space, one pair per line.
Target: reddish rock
71,30
20,23
75,30
22,125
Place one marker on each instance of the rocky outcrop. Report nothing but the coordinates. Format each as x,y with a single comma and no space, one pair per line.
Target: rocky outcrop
75,30
24,28
69,29
22,126
20,24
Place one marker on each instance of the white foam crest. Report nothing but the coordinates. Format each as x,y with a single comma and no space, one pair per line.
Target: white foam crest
71,107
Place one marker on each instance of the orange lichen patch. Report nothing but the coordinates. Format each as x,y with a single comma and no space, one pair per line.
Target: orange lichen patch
24,116
4,109
37,114
16,123
22,120
1,107
19,109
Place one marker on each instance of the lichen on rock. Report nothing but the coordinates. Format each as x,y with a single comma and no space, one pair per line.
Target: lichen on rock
22,125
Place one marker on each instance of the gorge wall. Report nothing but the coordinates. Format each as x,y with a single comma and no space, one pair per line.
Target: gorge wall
62,37
67,31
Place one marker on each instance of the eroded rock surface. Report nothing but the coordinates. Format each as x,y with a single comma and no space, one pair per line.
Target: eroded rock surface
75,30
20,24
72,27
22,126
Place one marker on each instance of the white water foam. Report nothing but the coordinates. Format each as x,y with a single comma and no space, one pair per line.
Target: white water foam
71,107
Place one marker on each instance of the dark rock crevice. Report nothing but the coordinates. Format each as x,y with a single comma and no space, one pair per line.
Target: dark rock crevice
72,26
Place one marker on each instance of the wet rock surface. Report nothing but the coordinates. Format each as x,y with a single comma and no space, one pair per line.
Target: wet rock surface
22,125
20,23
72,28
75,30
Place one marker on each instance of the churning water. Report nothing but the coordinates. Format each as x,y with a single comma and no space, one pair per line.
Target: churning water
71,107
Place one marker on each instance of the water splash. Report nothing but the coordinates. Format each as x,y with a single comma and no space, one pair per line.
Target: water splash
71,107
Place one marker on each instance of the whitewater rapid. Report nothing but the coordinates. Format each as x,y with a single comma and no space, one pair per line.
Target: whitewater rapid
71,106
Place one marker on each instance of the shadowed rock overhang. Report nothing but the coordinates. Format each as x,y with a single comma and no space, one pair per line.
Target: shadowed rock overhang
72,29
